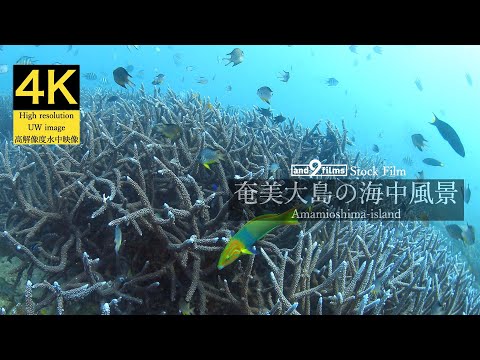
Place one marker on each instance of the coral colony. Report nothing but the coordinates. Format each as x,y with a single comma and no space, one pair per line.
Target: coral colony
129,222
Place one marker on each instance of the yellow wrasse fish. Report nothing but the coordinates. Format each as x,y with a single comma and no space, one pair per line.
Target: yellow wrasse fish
242,242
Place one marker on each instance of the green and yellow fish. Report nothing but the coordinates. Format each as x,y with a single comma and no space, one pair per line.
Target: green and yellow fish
171,131
242,242
209,156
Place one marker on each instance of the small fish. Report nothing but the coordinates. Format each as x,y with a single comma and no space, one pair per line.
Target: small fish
210,156
420,175
375,148
158,79
467,194
449,134
228,88
202,80
215,187
469,79
454,231
279,119
242,242
407,160
90,76
432,162
121,77
418,83
113,98
190,68
133,47
69,47
76,52
171,131
353,138
377,290
353,48
265,112
3,69
378,49
265,93
140,74
418,141
26,60
118,239
130,68
468,235
236,57
184,308
331,82
380,135
285,76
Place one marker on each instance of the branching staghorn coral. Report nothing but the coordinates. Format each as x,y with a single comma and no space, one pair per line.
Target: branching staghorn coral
62,204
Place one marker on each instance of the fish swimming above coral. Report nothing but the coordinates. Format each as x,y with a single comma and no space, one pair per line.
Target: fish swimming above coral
375,148
265,93
121,77
113,98
90,76
26,60
467,194
242,242
284,77
236,57
418,84
432,162
407,160
353,48
117,239
265,112
277,120
171,131
468,235
158,79
210,156
331,82
449,134
418,141
468,77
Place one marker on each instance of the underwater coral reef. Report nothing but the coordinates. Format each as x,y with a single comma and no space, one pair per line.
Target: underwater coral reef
63,206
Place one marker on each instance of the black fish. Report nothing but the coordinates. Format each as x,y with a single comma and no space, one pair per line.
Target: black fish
454,231
279,119
265,112
450,135
432,162
375,148
121,77
418,141
467,195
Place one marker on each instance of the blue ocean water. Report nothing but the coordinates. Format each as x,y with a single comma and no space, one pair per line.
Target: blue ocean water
376,93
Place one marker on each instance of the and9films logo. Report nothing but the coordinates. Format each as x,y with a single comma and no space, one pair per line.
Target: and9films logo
46,104
316,168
